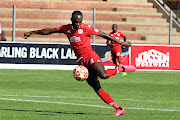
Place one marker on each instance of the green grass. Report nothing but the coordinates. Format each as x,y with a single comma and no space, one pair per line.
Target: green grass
55,95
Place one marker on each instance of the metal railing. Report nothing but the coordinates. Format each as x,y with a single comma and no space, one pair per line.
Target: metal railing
174,7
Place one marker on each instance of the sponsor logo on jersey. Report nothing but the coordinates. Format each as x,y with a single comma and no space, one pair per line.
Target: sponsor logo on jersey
117,38
152,58
75,39
80,31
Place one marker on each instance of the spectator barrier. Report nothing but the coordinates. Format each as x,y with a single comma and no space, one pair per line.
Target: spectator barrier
143,57
34,53
155,57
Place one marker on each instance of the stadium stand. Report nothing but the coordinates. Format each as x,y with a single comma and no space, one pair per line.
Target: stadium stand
172,4
138,19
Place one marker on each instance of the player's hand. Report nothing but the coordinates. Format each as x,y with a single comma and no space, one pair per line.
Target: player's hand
27,34
123,46
126,43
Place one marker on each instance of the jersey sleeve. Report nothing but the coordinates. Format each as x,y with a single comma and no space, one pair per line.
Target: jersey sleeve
61,29
93,31
122,34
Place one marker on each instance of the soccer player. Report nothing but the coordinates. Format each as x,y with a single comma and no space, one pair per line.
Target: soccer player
116,51
0,30
78,34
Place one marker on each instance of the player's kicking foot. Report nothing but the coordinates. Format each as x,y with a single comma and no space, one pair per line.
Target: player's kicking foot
124,73
129,68
119,111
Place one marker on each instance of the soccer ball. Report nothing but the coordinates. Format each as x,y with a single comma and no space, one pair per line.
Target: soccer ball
80,73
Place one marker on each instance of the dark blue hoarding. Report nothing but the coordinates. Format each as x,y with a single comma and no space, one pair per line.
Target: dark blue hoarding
34,53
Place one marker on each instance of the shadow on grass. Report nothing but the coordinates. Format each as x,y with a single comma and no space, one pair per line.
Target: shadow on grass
45,112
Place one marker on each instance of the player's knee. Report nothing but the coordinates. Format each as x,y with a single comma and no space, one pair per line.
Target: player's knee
103,76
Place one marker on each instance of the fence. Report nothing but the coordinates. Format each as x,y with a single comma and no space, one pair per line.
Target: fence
173,5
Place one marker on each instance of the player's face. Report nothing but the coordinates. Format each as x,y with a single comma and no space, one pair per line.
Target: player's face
76,21
114,28
3,33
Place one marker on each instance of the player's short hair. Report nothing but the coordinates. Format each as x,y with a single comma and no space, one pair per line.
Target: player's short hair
77,13
114,25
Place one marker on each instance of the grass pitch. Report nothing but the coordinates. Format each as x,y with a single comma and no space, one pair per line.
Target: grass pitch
56,95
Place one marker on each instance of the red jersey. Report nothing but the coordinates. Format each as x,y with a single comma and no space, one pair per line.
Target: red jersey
118,36
79,39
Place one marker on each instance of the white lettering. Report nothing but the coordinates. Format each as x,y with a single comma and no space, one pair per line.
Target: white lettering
55,53
62,54
49,56
43,53
69,54
49,53
37,53
152,64
152,58
13,52
24,52
32,52
9,53
3,52
17,53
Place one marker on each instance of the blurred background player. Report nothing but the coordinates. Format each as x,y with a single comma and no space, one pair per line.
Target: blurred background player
0,30
3,36
78,34
116,50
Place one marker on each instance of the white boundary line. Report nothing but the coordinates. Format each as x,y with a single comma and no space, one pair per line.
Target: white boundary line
53,102
79,98
37,66
87,105
40,66
55,67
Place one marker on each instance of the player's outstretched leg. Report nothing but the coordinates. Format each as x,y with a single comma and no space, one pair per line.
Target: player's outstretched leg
107,98
104,74
93,81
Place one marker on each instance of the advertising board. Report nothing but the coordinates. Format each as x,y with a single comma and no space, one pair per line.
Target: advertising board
29,53
155,57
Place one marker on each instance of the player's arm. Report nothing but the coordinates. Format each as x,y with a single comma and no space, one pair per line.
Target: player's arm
45,31
109,44
104,35
124,41
124,38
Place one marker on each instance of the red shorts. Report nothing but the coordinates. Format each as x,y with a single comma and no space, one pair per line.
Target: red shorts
89,59
116,54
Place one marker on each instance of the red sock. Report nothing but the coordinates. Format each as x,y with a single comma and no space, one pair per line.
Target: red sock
115,71
111,72
107,98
